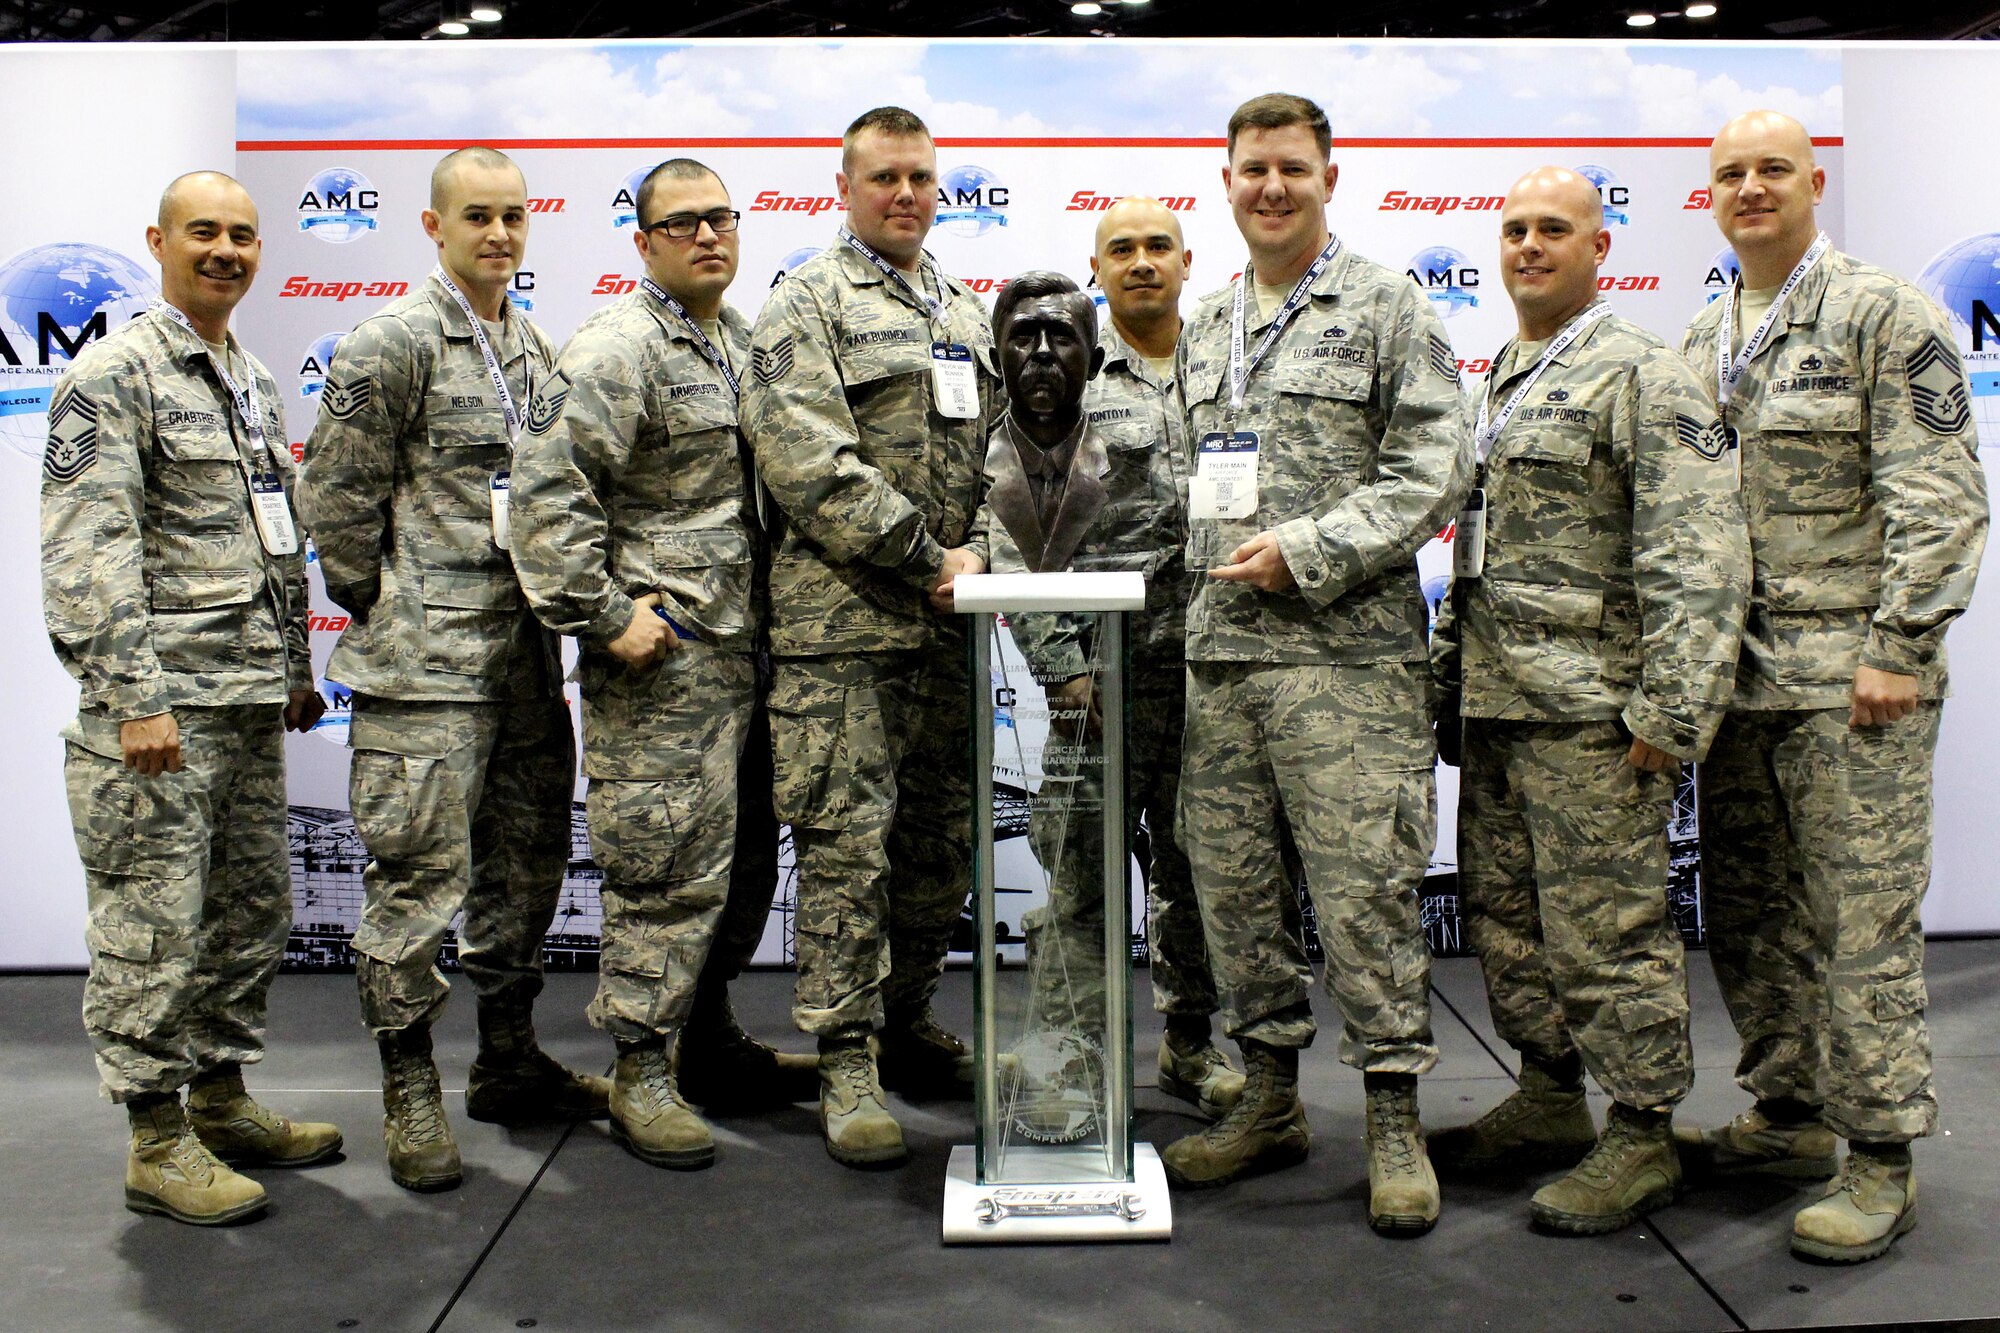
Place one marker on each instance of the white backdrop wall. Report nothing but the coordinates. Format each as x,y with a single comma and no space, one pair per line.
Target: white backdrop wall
1033,139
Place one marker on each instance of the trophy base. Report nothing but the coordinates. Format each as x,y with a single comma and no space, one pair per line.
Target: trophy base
1069,1208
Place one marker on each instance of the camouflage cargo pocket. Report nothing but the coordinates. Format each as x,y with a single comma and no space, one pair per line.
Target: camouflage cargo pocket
809,753
470,620
123,994
405,809
126,824
637,829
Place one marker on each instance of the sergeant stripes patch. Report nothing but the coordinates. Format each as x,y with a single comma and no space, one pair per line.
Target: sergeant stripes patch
547,408
773,363
72,444
342,400
1441,358
1709,440
1937,388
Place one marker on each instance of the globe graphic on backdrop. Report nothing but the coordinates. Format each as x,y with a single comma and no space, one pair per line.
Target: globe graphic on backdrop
63,287
1965,273
337,223
964,207
1437,271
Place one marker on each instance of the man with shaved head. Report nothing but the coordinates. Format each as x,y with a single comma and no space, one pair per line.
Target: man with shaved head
173,581
464,758
1866,500
1586,649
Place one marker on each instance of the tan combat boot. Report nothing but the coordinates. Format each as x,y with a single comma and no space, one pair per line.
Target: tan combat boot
239,1130
515,1082
170,1174
1264,1131
1541,1123
1192,1069
719,1066
1632,1170
1402,1189
859,1129
422,1155
648,1115
1873,1201
1753,1144
921,1059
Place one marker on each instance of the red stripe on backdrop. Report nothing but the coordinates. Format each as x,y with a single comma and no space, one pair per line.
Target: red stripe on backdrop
446,145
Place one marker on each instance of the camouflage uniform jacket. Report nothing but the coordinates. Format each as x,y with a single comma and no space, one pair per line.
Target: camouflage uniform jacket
1616,558
1136,420
874,483
157,591
1862,484
628,481
1364,453
396,493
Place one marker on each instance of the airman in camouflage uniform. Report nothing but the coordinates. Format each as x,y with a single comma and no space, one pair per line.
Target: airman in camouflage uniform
1867,510
187,636
1588,643
1308,692
464,758
633,516
1141,262
869,734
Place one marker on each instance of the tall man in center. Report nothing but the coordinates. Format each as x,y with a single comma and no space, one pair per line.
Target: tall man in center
1331,442
872,393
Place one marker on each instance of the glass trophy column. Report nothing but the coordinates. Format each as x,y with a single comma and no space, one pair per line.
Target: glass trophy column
1052,1035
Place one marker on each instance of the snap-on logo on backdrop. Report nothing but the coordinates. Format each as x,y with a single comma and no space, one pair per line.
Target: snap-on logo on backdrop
1401,201
300,285
1089,201
812,205
338,205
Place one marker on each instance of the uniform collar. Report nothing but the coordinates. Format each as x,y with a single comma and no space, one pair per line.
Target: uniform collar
187,345
1327,285
862,273
1117,351
453,323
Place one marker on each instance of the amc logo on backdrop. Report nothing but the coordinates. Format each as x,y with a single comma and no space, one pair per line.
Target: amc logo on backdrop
338,205
971,201
1964,279
54,299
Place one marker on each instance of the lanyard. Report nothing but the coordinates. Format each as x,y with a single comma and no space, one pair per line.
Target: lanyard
1239,368
932,306
1484,435
1727,373
493,370
707,348
242,396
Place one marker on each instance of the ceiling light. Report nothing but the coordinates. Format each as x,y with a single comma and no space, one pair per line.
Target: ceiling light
1085,9
1641,20
484,14
1699,11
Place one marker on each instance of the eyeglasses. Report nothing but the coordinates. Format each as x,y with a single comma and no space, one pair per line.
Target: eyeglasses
680,226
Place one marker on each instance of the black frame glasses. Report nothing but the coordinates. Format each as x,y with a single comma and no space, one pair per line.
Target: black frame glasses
682,226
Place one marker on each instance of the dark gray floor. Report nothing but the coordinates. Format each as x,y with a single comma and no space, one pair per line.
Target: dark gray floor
560,1230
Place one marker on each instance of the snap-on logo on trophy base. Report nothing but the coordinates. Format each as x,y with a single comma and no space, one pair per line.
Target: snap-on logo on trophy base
338,205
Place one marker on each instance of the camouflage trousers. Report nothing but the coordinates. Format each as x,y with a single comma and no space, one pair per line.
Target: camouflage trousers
1183,982
1815,855
873,755
1562,875
462,806
1343,756
661,749
190,894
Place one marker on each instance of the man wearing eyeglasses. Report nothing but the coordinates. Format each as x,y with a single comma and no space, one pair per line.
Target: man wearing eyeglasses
464,758
873,392
637,531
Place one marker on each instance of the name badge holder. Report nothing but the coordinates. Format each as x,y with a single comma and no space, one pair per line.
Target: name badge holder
954,382
497,490
1225,481
498,493
1468,545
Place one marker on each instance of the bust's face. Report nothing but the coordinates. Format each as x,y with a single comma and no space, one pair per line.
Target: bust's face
1045,357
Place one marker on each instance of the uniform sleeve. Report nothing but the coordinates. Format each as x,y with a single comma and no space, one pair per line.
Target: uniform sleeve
581,430
93,500
1423,468
295,626
1690,556
371,396
795,414
1927,480
1445,659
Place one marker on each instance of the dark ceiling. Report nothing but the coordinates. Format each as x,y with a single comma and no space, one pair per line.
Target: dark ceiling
238,20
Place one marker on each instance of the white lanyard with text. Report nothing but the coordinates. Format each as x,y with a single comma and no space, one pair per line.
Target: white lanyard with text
1727,372
714,354
954,376
1239,366
932,305
1485,433
498,489
268,506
